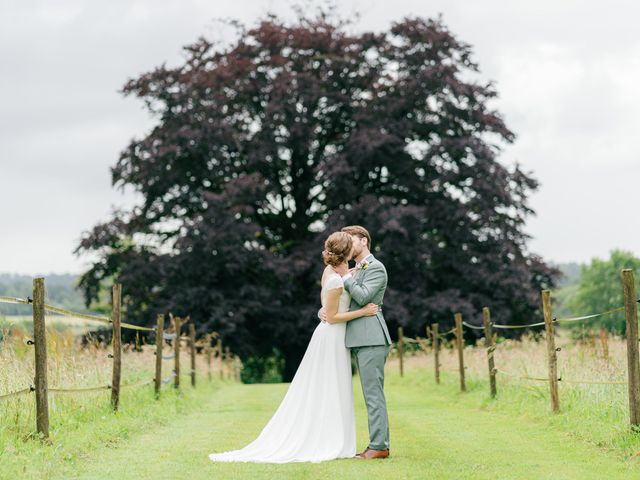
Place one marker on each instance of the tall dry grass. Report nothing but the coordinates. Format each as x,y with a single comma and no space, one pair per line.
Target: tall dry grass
594,359
72,365
597,413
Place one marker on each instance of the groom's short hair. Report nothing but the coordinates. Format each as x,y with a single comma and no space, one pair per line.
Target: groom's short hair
359,231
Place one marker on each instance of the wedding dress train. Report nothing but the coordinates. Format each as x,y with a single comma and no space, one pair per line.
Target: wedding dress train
315,421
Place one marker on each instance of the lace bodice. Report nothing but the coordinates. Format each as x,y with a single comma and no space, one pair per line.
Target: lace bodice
335,281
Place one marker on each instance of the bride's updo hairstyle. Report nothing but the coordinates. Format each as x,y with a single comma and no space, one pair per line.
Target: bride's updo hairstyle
337,248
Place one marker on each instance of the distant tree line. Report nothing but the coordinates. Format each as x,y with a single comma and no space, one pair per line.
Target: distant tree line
61,290
599,289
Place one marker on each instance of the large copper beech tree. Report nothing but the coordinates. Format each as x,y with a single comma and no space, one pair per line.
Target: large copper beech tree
264,145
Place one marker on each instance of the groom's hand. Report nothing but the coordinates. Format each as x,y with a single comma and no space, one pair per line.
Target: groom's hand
322,314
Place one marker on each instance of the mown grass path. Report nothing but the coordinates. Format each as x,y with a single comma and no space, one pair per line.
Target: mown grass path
437,433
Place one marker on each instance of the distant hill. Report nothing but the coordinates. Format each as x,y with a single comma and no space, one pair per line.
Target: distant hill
570,273
60,290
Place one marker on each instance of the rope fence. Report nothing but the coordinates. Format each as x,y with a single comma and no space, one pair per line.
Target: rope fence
555,320
630,308
588,317
434,338
101,387
82,389
7,396
564,380
521,377
14,300
70,313
594,382
41,390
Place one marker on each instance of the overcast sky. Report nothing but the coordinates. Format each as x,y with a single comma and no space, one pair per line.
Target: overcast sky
567,73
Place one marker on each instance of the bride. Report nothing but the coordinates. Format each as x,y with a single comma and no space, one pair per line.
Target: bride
316,419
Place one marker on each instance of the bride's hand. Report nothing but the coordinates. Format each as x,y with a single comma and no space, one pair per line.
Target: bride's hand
370,309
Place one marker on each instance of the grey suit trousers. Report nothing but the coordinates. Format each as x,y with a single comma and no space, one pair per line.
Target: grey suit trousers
370,361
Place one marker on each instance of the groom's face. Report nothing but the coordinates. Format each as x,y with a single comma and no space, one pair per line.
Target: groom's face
357,246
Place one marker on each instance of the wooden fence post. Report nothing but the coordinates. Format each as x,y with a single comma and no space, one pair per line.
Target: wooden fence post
491,347
435,339
220,360
592,341
604,342
401,350
633,367
227,361
116,299
208,351
192,342
460,347
551,350
40,344
159,345
237,366
176,351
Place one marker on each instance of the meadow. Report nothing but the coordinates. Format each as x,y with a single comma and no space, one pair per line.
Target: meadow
437,431
596,413
82,423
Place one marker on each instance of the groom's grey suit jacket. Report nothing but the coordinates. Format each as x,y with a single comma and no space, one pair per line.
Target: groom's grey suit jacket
367,285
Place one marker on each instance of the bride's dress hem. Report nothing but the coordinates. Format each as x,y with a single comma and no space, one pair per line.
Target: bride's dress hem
296,460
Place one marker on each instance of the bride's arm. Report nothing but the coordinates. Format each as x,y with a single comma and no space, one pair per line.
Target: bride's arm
333,302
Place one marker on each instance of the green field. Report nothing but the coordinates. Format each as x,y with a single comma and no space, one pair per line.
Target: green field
437,433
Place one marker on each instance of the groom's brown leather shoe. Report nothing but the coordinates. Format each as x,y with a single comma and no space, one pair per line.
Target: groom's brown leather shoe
372,454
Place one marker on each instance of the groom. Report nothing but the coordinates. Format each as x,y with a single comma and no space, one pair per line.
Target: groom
368,337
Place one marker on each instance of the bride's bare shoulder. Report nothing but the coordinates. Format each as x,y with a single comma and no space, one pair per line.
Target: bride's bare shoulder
325,274
328,272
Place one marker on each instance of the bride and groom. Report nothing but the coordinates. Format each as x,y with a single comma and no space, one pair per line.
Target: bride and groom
316,420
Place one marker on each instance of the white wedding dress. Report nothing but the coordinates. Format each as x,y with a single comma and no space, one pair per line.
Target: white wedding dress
316,419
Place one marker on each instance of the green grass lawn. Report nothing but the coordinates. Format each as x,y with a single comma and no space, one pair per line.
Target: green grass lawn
91,430
436,433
